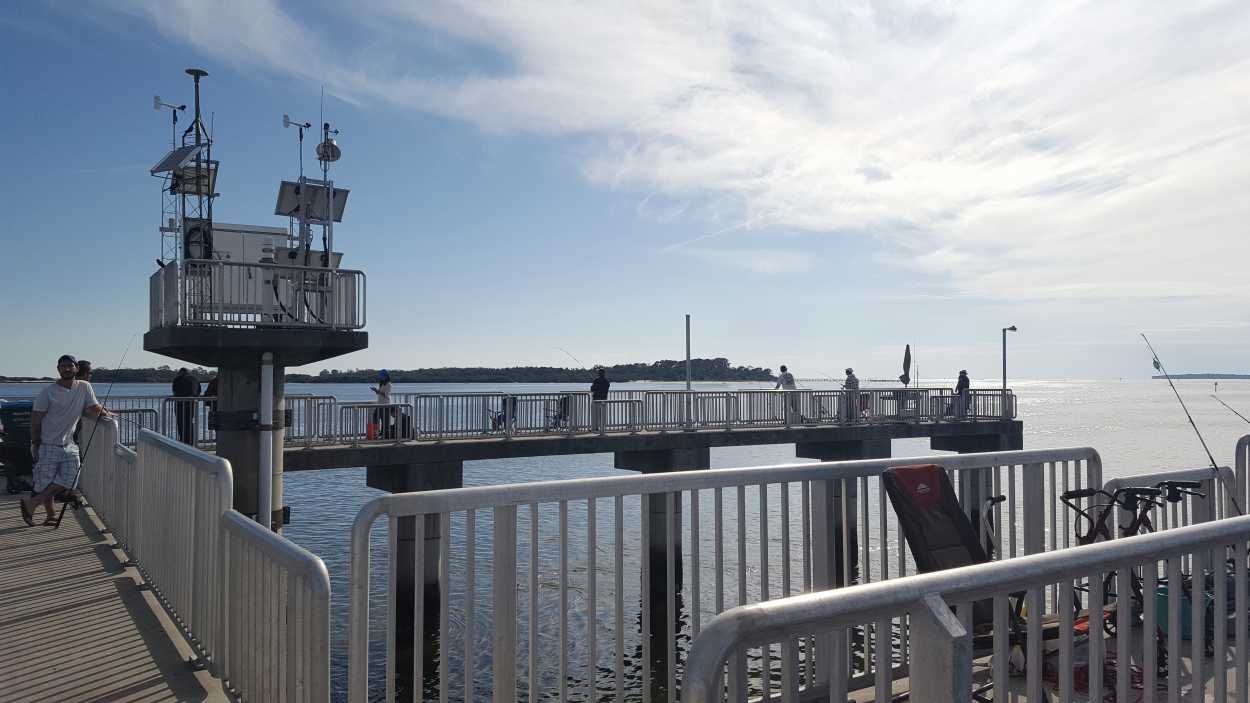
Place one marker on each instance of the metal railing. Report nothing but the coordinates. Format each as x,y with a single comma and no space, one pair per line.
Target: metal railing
1217,499
558,611
275,628
200,292
253,606
938,611
322,419
465,415
181,494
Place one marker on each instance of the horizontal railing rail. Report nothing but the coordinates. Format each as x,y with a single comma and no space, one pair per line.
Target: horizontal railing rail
938,608
275,626
567,612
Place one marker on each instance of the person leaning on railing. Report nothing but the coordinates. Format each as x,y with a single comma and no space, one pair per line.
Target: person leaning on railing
52,421
963,394
599,391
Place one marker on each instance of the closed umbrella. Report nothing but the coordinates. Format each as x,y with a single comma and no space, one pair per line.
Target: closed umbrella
906,377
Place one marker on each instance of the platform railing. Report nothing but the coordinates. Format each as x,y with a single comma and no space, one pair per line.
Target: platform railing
253,606
1216,498
216,293
275,604
564,611
937,609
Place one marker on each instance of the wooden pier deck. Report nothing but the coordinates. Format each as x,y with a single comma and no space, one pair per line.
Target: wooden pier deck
75,625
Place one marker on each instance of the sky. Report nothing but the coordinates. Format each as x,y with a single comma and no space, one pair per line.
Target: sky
817,184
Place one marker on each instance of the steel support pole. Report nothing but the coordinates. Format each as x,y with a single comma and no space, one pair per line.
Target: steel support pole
264,502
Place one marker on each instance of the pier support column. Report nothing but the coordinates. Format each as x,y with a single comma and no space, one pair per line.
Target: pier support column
655,512
835,513
409,478
975,486
238,433
654,505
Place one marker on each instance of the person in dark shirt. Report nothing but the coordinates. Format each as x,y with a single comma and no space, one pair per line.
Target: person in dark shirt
962,393
599,391
185,386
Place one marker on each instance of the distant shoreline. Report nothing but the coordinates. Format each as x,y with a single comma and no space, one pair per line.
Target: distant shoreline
1205,376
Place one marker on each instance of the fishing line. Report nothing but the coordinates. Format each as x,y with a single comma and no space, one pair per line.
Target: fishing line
1214,466
87,447
1243,417
570,355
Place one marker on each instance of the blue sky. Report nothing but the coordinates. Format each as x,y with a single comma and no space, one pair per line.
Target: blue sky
816,186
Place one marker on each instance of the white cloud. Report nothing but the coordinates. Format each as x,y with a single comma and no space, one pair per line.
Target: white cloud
769,262
1017,150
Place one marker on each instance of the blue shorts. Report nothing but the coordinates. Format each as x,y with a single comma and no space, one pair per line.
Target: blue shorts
57,465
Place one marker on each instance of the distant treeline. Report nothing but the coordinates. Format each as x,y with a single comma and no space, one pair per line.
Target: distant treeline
1206,376
666,370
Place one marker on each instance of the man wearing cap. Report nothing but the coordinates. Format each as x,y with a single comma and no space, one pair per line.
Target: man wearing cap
963,393
52,421
854,405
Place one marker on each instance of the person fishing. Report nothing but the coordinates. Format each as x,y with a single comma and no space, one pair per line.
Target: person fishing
963,392
854,403
53,418
382,391
599,391
185,386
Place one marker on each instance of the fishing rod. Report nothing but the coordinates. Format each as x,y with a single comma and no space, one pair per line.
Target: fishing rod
1243,417
569,354
1214,466
91,437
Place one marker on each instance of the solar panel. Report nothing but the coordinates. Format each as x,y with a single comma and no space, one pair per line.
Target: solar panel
176,159
288,204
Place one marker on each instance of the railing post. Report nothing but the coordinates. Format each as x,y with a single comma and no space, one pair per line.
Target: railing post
941,654
503,589
1034,510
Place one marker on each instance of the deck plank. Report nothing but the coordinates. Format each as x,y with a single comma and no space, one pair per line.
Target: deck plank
74,624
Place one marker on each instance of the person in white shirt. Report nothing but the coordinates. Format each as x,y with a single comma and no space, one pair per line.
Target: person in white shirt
785,382
53,420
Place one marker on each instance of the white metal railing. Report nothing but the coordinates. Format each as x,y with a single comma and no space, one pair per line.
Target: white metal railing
945,663
253,605
558,611
180,494
322,419
200,292
275,629
1241,460
1217,499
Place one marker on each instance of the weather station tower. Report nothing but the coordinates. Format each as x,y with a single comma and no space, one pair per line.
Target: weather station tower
250,300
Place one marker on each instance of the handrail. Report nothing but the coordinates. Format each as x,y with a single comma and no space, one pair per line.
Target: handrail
762,623
275,626
826,488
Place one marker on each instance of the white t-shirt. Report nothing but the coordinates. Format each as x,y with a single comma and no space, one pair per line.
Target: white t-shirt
786,379
63,406
384,392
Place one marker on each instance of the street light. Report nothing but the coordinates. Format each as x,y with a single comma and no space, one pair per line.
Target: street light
1004,400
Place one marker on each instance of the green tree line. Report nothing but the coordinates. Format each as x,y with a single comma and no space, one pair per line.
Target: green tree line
718,369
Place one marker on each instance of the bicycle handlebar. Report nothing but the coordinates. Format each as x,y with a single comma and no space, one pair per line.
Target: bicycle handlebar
1078,493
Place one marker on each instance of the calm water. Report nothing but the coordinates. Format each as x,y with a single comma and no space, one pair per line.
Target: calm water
1136,426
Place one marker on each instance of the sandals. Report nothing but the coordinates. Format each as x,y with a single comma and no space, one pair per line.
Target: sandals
51,522
30,522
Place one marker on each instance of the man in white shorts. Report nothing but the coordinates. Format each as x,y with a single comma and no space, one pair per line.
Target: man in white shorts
53,419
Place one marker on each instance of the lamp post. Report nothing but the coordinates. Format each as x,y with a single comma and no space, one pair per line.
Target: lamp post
1004,399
